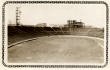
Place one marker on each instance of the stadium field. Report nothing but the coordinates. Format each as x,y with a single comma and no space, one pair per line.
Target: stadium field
58,49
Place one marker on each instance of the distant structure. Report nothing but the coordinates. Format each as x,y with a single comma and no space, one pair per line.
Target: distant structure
10,23
74,24
18,13
54,25
41,25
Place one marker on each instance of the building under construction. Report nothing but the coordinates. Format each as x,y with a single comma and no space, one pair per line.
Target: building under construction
74,24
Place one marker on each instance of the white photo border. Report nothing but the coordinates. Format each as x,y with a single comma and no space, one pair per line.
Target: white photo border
54,2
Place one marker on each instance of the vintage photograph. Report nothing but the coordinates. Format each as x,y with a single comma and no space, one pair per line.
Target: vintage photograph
56,33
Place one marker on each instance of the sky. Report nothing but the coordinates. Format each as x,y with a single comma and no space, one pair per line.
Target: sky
32,14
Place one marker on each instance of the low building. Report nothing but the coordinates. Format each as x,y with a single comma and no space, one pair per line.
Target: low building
41,25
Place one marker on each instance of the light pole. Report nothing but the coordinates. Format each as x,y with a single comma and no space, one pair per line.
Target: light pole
18,13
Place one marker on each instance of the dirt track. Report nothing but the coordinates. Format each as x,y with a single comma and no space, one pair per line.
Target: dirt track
58,49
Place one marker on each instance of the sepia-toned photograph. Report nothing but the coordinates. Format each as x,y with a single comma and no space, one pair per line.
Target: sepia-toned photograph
56,33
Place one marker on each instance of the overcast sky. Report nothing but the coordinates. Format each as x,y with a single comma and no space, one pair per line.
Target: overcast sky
32,14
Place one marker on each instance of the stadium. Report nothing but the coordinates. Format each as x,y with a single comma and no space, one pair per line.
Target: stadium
72,43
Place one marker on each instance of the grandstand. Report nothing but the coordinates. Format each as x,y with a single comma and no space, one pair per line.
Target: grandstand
18,33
